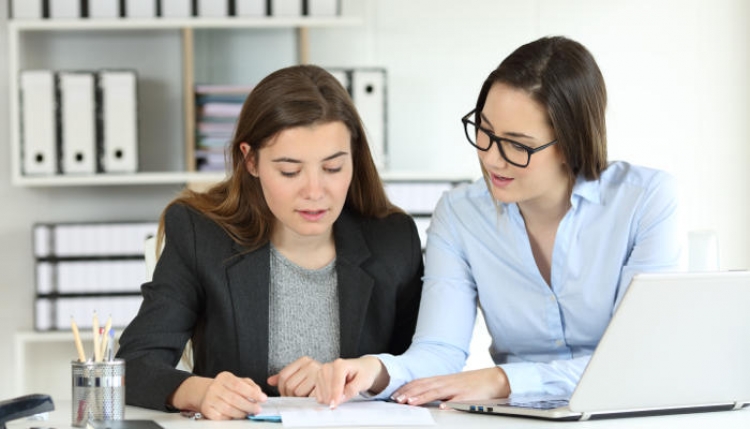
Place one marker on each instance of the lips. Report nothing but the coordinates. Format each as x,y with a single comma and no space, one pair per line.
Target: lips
501,181
312,215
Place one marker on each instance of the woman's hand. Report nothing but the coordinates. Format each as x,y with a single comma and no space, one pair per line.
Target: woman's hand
343,379
297,378
222,398
488,383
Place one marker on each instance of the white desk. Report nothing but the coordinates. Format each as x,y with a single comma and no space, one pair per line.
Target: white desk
60,419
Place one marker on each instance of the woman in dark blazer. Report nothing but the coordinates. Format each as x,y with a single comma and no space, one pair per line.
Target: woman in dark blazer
297,257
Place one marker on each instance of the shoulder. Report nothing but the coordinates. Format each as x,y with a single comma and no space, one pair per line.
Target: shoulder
642,188
393,225
390,238
623,173
182,220
466,201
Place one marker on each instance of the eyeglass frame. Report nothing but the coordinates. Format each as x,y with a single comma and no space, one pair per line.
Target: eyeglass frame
498,140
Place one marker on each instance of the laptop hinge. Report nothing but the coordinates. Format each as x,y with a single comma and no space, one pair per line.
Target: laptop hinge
738,405
585,416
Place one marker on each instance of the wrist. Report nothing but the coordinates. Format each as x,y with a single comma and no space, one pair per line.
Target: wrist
189,394
503,385
381,376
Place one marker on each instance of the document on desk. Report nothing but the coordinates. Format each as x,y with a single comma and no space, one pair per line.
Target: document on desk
306,412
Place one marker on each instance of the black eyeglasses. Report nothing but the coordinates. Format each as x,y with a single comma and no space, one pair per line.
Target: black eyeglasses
512,151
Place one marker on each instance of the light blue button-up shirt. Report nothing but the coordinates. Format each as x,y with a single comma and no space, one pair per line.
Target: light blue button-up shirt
542,335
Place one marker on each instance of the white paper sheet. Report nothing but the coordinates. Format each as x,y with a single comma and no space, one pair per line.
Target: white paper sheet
306,412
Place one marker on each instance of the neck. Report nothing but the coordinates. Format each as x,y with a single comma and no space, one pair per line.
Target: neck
307,252
547,210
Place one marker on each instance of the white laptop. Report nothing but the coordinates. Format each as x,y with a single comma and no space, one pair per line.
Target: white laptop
678,343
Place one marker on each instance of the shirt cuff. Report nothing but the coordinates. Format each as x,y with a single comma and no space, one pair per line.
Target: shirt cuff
395,373
523,378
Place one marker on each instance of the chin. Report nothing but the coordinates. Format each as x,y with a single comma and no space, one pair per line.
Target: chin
504,197
314,230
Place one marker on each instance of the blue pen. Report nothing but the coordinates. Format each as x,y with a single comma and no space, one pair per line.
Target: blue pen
110,345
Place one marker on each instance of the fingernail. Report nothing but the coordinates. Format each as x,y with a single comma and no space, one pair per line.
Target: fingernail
411,400
333,404
400,398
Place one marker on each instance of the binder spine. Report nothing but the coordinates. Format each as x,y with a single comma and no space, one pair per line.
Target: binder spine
81,267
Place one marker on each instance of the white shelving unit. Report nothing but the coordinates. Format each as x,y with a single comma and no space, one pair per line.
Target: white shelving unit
19,29
42,359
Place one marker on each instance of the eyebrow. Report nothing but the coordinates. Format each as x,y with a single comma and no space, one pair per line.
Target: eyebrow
297,161
511,134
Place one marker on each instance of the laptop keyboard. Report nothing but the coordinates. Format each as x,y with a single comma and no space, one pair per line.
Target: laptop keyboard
548,404
529,403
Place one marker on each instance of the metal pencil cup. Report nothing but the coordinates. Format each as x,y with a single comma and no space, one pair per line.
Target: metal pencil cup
98,391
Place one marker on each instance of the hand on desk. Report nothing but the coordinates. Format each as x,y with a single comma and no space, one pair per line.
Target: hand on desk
485,383
222,398
343,379
297,378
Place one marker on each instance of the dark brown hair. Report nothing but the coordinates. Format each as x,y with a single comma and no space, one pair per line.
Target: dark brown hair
563,76
296,96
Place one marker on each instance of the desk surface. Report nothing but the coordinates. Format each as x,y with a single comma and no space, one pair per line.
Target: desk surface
60,419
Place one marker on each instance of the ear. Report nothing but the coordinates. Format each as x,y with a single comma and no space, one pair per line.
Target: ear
250,160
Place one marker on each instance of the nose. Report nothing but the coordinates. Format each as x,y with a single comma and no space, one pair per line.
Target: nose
313,188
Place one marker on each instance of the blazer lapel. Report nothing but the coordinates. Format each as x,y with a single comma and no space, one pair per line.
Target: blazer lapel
354,284
248,280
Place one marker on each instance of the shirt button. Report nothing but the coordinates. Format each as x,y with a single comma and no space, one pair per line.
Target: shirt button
552,298
559,343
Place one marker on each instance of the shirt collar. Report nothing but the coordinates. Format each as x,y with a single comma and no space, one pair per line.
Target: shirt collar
585,189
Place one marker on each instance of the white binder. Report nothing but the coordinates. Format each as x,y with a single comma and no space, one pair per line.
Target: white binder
77,117
104,9
286,7
250,7
118,136
342,76
27,9
368,94
176,8
38,128
323,7
140,8
212,8
64,9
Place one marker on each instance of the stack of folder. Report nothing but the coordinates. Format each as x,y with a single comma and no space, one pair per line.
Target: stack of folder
217,109
87,267
78,122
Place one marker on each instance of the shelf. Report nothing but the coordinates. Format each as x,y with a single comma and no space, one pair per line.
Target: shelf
156,178
167,178
28,337
179,23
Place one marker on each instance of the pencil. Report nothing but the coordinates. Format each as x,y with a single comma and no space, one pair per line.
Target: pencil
95,330
77,338
105,337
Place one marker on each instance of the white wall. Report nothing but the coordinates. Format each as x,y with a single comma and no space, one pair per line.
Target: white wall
676,75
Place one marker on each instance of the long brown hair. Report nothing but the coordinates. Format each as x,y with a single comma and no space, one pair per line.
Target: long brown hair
295,96
563,76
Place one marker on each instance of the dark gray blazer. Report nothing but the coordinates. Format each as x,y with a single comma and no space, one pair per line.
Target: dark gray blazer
208,288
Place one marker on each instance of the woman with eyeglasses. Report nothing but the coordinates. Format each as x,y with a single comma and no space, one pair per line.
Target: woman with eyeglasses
546,244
